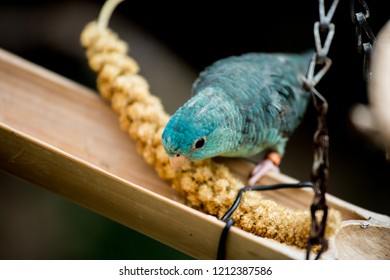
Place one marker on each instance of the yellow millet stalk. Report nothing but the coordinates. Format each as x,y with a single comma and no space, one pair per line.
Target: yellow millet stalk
205,185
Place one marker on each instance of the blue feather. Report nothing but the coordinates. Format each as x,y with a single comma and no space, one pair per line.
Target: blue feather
241,106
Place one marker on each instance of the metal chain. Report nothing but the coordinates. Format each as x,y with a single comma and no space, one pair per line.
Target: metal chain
359,18
320,170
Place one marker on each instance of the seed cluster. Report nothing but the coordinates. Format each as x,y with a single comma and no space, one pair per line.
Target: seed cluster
206,185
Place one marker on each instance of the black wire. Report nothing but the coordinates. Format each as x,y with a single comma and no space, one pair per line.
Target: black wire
221,254
236,203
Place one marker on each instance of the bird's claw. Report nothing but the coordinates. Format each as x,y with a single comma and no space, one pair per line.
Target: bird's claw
261,169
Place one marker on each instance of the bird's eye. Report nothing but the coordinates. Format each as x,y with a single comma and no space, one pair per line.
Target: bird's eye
199,143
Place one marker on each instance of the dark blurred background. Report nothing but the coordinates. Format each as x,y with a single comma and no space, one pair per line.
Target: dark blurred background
172,43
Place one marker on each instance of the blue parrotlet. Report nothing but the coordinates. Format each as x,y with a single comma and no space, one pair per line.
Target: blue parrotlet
241,106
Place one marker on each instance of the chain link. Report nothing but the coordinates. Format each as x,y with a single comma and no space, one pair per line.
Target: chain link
364,46
320,169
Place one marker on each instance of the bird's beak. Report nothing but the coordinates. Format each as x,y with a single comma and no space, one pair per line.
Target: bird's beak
178,161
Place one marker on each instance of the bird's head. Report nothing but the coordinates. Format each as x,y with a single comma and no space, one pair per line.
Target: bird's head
195,131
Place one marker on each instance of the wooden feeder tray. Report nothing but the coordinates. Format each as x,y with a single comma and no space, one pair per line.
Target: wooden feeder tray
63,137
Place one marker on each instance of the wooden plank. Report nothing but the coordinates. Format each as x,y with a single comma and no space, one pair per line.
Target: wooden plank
65,138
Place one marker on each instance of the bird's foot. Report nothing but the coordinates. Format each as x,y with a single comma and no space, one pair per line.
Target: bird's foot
270,164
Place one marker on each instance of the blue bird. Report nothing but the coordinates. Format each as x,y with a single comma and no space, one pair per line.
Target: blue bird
241,106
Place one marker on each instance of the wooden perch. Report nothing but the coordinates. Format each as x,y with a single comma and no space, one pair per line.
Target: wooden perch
65,138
